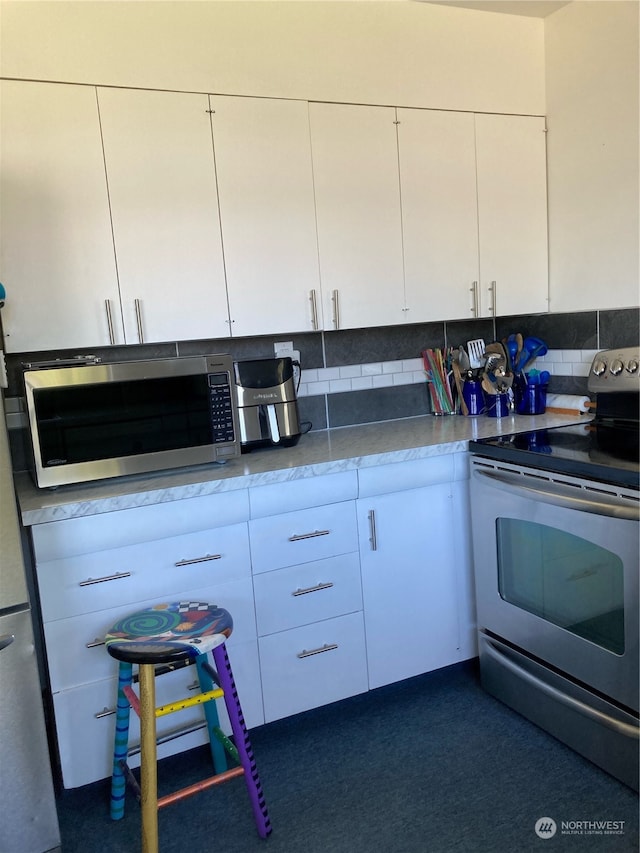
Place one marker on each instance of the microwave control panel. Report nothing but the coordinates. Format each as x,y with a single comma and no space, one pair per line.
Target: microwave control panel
221,408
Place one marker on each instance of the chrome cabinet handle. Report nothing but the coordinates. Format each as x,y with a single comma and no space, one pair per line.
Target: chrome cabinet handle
193,560
335,301
118,576
474,301
373,539
315,588
314,310
328,647
94,643
107,308
300,536
106,712
136,302
492,304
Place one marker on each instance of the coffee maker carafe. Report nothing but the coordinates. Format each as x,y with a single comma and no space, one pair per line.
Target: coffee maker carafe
267,403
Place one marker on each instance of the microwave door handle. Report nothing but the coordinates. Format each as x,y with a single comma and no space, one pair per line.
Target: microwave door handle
272,417
559,494
582,708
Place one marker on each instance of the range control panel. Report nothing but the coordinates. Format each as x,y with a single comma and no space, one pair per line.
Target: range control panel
615,371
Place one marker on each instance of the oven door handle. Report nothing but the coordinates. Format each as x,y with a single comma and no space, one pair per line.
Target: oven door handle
581,707
558,494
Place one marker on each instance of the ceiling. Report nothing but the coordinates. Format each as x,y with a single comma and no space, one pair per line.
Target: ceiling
530,8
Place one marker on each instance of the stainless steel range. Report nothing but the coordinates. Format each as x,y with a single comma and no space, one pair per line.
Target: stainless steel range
556,550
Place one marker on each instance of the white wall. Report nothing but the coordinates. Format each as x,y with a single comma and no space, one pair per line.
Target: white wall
397,53
592,147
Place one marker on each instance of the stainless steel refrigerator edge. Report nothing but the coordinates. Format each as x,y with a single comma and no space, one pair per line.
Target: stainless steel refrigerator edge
29,818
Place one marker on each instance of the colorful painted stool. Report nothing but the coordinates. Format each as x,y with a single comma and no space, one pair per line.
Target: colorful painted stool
158,640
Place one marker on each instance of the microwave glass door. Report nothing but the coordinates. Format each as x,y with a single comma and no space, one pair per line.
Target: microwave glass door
84,423
564,579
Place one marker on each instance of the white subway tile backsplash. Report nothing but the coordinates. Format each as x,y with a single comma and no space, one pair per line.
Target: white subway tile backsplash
338,386
410,371
361,383
384,380
349,371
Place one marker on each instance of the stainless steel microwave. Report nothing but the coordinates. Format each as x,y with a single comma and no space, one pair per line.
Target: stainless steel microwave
93,421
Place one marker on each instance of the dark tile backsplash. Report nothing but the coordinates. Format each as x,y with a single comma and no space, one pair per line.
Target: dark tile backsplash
378,404
576,330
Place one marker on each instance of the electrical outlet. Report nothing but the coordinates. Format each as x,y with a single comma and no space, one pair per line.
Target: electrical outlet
284,349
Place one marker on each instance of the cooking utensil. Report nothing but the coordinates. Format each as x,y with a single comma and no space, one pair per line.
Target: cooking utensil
488,386
463,360
512,350
458,380
476,352
531,349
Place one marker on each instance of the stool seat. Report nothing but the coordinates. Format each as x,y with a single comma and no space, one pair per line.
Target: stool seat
158,640
167,633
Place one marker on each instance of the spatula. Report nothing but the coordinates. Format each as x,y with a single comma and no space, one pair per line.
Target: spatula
476,353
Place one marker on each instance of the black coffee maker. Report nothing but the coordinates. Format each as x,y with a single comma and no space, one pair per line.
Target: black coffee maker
267,403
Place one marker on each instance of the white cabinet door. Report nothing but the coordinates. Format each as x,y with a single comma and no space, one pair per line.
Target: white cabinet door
512,214
355,166
164,204
436,152
56,253
409,582
265,184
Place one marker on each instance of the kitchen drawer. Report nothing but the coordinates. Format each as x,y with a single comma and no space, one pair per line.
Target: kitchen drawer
85,726
312,666
303,536
307,492
105,579
92,533
76,653
300,595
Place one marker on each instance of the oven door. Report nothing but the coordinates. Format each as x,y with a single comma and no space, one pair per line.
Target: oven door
556,566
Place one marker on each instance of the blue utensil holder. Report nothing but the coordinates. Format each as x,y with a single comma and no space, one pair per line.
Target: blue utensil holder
473,396
530,397
496,405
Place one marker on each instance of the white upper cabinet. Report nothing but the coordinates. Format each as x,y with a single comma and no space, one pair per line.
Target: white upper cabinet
512,214
355,165
265,185
56,253
164,205
436,153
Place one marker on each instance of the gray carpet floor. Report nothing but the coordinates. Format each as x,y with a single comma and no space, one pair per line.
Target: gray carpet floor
430,765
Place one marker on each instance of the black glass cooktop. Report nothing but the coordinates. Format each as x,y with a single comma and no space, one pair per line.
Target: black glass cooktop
606,453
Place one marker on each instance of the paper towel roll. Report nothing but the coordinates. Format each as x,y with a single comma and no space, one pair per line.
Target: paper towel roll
567,403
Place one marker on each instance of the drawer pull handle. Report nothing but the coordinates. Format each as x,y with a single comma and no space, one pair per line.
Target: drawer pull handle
315,533
94,643
118,576
195,685
373,537
204,559
315,588
328,647
106,712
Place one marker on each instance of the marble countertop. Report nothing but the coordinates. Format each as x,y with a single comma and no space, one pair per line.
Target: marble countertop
323,452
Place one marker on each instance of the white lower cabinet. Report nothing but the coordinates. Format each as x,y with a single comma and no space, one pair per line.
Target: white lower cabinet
159,553
313,665
415,567
337,584
85,717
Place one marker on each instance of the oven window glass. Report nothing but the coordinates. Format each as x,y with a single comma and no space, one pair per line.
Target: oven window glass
563,579
82,423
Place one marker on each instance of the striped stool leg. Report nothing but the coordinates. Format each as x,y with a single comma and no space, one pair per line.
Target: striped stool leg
218,753
121,743
243,745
